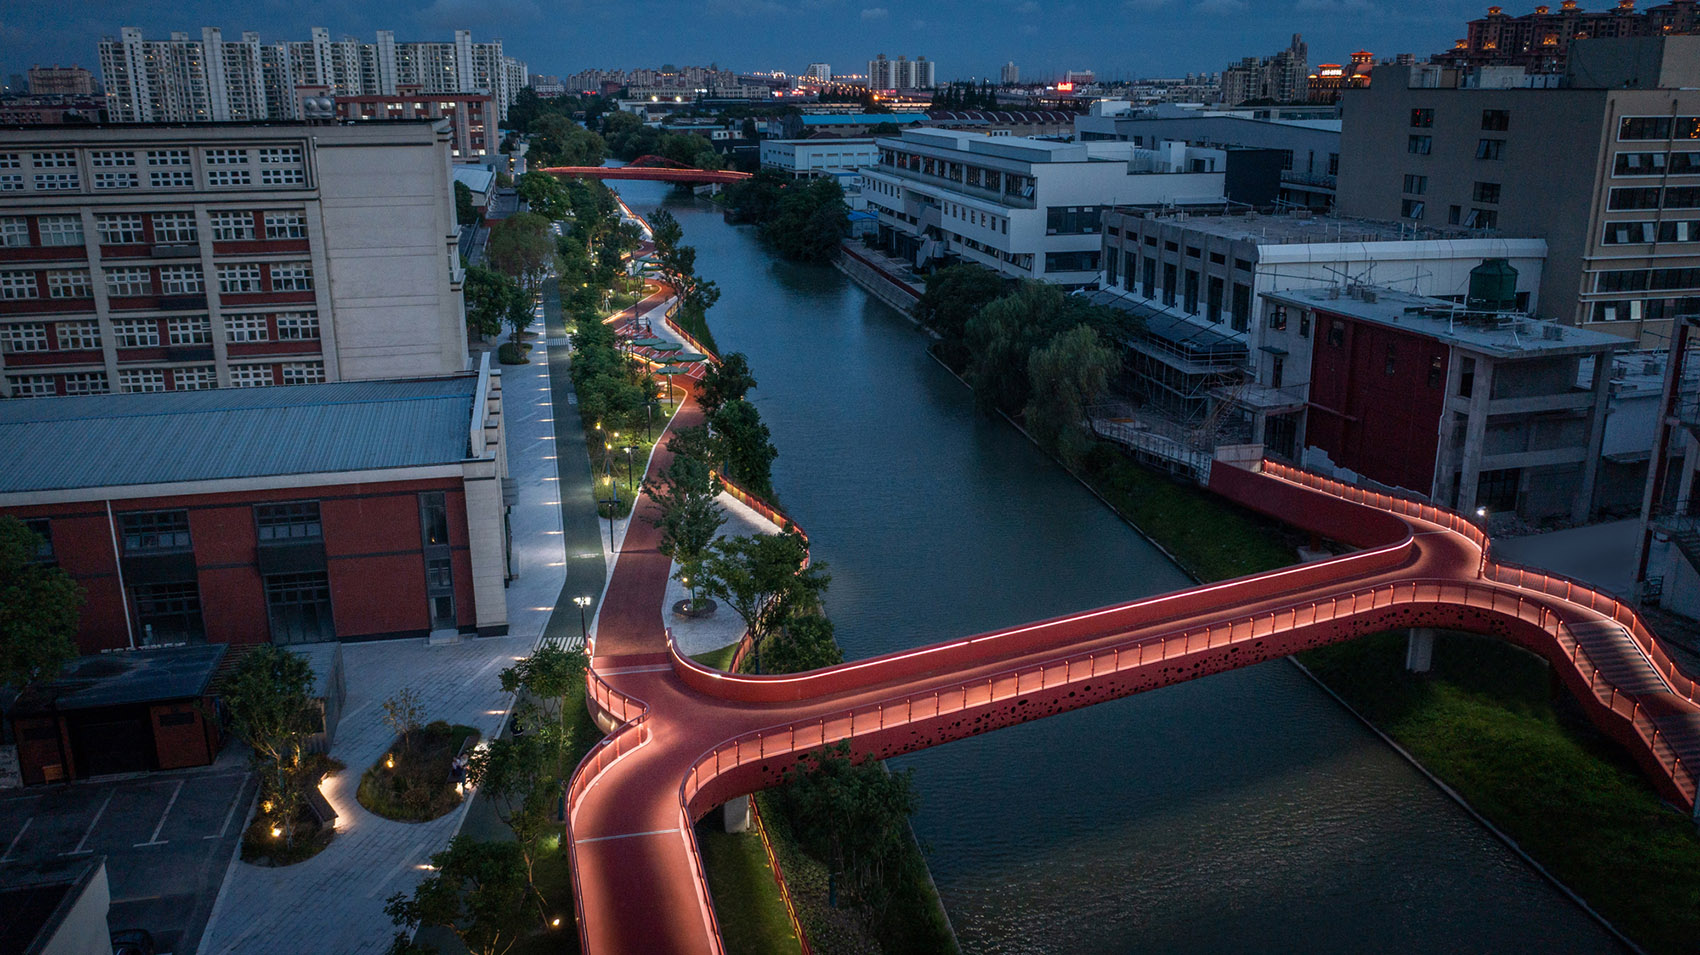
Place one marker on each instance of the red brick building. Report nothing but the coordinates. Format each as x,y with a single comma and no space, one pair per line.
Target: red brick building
340,511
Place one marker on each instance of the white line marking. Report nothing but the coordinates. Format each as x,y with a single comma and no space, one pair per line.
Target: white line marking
8,856
234,802
79,850
629,835
154,840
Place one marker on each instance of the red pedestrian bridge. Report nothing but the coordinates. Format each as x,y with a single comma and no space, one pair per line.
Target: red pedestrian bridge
685,738
650,168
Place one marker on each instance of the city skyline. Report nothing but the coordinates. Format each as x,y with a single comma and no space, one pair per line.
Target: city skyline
1135,38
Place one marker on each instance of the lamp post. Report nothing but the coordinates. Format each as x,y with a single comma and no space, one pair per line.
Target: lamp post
583,622
612,502
631,479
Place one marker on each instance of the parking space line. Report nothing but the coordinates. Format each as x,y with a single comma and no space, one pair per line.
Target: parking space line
8,856
154,839
235,801
79,850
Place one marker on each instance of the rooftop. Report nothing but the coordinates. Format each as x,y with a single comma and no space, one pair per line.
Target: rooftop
152,675
862,119
137,439
1501,334
477,178
1314,230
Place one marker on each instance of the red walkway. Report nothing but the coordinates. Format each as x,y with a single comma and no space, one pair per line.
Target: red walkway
692,738
650,173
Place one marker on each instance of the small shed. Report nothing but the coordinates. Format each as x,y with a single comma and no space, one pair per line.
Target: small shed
328,689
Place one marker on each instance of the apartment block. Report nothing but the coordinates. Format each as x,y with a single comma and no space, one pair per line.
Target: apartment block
471,116
60,81
1603,163
139,258
187,79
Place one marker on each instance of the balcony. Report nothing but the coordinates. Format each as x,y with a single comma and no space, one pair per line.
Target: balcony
1010,200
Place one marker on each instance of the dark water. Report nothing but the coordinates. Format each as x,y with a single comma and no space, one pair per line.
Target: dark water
1246,812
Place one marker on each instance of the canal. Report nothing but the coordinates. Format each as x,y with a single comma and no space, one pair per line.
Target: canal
1245,812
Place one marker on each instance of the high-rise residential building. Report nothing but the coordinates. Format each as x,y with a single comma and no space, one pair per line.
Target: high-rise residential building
901,73
1010,74
182,79
1282,77
146,257
819,72
1605,166
1332,79
1540,41
1080,77
60,81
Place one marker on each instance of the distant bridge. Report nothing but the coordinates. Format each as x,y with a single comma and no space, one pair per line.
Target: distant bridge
651,168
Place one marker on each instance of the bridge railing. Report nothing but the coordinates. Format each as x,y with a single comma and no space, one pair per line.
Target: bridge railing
1397,503
790,740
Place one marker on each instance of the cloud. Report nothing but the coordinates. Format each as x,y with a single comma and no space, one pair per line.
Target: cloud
875,13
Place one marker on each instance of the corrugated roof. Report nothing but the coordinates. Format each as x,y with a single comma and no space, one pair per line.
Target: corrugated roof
139,676
117,440
476,178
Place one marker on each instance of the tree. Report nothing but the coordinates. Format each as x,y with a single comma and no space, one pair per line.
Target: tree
465,212
727,380
955,294
744,444
489,296
686,515
545,195
763,580
271,709
546,677
1067,376
478,891
854,816
513,773
404,714
521,246
558,141
805,642
39,609
808,221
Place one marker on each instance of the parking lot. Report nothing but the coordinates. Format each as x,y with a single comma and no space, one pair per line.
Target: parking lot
167,839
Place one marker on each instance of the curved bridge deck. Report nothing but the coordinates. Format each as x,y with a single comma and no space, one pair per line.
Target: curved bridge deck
648,173
690,738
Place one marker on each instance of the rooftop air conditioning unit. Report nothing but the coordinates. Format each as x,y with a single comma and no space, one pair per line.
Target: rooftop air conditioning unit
1552,333
1369,296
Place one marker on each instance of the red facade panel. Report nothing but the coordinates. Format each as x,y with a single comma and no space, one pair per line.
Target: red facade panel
1376,398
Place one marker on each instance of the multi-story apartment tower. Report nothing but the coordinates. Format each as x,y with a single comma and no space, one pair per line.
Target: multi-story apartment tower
177,257
1283,77
1605,167
1540,41
186,80
1010,74
901,73
60,81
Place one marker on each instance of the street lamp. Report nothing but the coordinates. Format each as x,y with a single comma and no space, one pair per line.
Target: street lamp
612,502
631,481
583,623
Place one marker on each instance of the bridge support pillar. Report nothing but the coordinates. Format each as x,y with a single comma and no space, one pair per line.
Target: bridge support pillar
1419,650
737,814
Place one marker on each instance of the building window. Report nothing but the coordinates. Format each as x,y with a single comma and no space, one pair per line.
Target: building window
1679,231
60,230
1682,197
1497,490
239,278
115,180
433,519
299,608
129,281
1241,307
174,228
1639,164
1454,215
1486,192
69,283
286,225
181,280
1641,128
136,333
198,378
108,159
251,376
195,330
120,229
170,179
57,182
28,336
225,157
228,177
32,386
141,379
1412,208
1419,145
303,372
1278,318
1304,324
1422,118
232,226
168,157
297,327
14,232
43,531
151,532
1391,367
298,276
1628,233
280,155
86,383
281,177
439,574
1490,149
1170,280
1637,197
245,328
11,182
1482,219
1336,334
1189,292
1148,276
1416,185
169,613
297,520
77,336
1496,120
1436,371
18,286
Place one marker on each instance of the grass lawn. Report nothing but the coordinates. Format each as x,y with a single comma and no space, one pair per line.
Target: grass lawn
1492,724
717,659
413,784
746,900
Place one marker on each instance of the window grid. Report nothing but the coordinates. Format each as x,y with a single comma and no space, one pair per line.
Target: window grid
189,331
136,333
18,286
69,283
129,281
168,157
228,177
280,154
29,336
170,178
239,278
225,157
33,386
232,226
77,336
115,180
297,520
60,230
292,277
14,232
86,383
57,182
119,229
251,376
132,380
286,225
297,326
174,228
199,378
303,372
181,280
239,329
153,531
54,160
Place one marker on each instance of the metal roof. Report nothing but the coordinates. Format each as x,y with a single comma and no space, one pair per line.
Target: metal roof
117,440
1187,335
134,676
